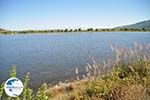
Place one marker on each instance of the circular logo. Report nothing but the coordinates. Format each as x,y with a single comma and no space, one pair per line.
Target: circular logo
13,87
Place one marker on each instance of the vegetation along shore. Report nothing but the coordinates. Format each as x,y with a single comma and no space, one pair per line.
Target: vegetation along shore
126,77
143,26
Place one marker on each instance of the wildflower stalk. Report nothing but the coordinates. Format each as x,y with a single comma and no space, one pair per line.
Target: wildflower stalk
41,94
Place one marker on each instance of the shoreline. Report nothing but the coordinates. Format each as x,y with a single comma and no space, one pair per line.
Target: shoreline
73,32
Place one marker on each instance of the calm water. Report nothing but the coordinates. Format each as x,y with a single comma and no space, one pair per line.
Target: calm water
53,57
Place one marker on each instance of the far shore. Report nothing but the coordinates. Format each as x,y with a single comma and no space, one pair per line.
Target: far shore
75,30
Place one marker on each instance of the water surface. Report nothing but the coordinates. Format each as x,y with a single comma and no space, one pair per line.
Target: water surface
53,57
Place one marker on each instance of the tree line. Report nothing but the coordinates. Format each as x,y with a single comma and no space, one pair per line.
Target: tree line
76,30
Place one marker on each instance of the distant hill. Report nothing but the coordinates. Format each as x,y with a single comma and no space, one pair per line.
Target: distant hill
2,29
139,25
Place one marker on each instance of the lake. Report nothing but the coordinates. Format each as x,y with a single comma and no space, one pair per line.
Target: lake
53,57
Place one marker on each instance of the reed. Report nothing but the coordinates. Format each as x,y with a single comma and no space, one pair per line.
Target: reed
124,77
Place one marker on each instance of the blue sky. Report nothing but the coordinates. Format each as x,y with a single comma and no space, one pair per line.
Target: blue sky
49,14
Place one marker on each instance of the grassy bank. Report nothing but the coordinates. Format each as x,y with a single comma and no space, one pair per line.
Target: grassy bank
126,77
124,82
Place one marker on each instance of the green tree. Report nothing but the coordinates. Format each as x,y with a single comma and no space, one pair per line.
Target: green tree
96,30
143,29
70,30
79,29
90,29
66,30
125,29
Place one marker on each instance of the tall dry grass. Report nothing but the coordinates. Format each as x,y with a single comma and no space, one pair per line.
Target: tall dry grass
103,78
